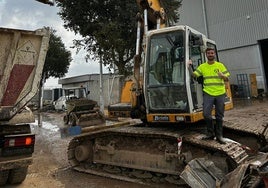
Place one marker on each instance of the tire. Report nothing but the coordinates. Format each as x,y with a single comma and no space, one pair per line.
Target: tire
63,108
3,177
73,119
66,119
17,175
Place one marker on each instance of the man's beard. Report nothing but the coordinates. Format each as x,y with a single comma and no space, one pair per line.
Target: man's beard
210,58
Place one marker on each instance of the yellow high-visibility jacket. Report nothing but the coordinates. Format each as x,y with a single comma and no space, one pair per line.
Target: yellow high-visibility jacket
212,84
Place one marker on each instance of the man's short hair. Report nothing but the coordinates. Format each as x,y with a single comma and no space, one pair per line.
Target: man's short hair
209,48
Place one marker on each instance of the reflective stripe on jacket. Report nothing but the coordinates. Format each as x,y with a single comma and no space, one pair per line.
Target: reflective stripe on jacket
213,84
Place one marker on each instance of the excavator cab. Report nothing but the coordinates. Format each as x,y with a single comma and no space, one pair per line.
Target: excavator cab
165,90
170,93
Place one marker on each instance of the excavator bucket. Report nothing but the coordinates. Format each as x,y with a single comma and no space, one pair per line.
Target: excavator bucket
81,112
76,105
202,173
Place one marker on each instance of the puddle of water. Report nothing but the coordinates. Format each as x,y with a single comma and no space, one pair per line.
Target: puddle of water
53,123
47,125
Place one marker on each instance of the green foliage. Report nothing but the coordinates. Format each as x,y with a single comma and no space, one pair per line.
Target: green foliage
58,58
171,9
108,28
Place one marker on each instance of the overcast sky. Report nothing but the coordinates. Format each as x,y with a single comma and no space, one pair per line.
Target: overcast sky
31,15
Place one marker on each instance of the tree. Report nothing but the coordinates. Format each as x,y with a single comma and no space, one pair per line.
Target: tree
108,28
57,62
57,59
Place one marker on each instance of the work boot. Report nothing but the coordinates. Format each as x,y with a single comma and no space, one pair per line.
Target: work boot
218,130
210,130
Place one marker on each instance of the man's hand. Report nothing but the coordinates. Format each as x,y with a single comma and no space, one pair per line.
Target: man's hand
222,76
189,63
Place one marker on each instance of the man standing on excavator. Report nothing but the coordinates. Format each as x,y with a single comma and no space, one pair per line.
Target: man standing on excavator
214,75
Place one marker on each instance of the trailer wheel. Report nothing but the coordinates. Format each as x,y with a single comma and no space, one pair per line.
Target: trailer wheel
3,177
17,175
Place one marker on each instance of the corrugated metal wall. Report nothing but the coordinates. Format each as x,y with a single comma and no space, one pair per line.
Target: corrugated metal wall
236,26
191,14
236,23
231,23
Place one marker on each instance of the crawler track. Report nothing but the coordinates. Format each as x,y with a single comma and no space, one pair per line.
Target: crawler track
148,155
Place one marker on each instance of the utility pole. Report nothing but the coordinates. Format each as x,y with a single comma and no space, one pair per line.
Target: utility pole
101,87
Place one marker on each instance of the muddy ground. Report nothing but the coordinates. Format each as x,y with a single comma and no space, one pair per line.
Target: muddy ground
249,112
50,168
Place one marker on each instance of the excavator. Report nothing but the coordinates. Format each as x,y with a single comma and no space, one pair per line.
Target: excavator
171,96
165,147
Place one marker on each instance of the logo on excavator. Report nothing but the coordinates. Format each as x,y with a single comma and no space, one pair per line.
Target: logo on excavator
161,118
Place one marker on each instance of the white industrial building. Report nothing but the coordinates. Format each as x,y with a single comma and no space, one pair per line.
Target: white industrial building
240,29
110,91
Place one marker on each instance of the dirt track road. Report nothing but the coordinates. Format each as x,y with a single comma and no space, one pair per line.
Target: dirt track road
50,168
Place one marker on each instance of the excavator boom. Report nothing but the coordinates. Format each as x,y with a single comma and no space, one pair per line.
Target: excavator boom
155,14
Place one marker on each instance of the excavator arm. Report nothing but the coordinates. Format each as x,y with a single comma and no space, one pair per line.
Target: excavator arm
154,12
153,17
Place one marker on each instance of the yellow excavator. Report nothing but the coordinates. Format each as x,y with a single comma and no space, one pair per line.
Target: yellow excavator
166,146
161,89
